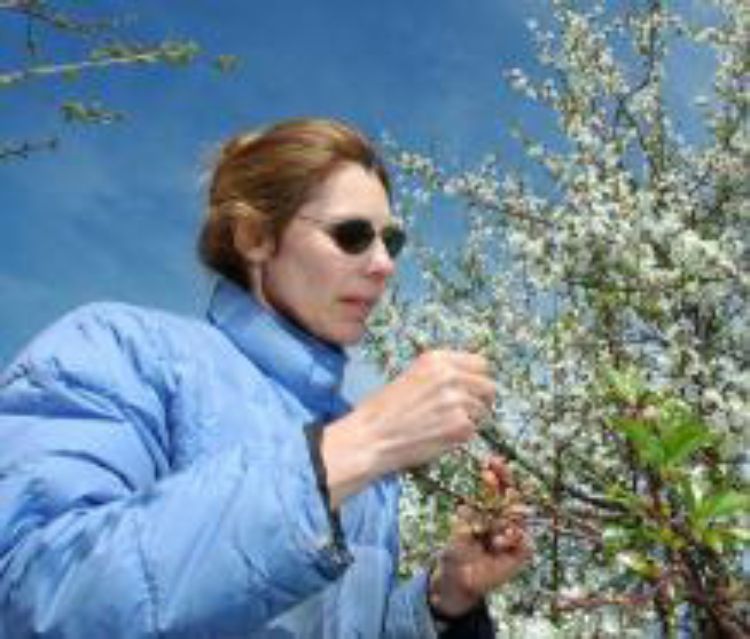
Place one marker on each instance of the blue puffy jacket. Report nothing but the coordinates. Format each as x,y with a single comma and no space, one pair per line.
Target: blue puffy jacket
155,481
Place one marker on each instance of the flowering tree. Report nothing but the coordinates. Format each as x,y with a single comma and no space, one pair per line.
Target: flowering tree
609,288
60,43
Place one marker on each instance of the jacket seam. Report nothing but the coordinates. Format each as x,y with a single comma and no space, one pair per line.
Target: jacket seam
150,581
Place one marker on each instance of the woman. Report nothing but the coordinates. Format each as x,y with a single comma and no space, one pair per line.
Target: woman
161,476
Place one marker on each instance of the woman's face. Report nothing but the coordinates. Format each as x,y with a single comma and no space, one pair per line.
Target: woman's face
315,283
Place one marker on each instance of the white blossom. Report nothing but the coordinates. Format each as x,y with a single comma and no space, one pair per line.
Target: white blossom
638,253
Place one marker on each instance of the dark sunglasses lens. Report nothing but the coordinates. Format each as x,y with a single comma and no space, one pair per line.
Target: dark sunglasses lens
353,236
394,239
356,236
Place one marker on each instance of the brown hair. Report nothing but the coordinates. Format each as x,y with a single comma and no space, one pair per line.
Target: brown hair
261,179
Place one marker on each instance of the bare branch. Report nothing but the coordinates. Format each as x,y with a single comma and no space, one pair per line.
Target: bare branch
41,12
25,148
168,52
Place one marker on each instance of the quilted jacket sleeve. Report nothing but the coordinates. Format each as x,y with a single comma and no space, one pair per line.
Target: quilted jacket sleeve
97,539
408,613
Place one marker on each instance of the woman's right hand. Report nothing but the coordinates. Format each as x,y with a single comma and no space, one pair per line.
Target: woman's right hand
435,405
432,407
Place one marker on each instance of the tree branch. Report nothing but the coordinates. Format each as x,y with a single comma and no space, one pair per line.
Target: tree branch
508,451
164,53
25,148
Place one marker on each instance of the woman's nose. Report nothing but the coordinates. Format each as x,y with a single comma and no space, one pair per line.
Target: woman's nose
381,263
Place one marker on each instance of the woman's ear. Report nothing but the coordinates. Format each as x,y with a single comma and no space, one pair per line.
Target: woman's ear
253,239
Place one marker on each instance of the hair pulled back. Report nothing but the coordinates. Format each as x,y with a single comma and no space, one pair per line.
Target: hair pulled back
261,179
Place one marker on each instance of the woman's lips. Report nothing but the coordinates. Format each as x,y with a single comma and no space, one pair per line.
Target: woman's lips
360,307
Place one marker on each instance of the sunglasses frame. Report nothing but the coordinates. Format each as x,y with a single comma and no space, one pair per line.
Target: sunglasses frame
392,235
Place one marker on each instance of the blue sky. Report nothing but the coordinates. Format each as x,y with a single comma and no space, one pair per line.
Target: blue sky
113,213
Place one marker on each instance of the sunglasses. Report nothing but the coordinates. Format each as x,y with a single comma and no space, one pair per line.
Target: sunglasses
354,236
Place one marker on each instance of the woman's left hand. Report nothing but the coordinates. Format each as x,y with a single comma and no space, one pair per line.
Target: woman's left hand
484,551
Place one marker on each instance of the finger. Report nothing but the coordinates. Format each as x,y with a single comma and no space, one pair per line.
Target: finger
518,511
524,548
475,409
502,527
518,516
469,362
463,520
461,533
511,539
502,544
468,525
455,370
480,386
511,515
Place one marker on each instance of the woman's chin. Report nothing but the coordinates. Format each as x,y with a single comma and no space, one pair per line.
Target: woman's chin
347,334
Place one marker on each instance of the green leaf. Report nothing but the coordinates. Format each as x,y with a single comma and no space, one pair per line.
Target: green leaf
616,537
624,497
644,438
91,113
691,489
626,385
639,564
226,63
724,504
721,538
668,537
739,535
683,439
179,53
715,540
9,79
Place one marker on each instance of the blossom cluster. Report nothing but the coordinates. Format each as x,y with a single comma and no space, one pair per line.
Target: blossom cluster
632,253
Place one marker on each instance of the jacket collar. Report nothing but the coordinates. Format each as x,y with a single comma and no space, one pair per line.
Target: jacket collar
311,369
